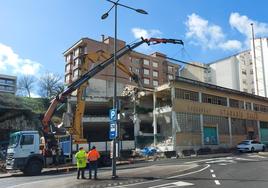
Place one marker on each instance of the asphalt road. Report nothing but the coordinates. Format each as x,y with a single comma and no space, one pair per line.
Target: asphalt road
246,170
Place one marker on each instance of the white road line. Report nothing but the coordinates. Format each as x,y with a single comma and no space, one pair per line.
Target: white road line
189,173
173,184
217,182
213,175
211,170
244,159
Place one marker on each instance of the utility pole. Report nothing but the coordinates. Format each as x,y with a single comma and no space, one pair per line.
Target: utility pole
254,59
104,16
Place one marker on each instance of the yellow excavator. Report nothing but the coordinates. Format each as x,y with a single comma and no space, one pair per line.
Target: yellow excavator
76,130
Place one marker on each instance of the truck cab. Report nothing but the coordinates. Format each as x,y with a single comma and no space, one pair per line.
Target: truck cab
23,153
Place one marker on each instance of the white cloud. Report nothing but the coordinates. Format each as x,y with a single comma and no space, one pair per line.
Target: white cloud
11,63
207,35
231,44
242,24
139,32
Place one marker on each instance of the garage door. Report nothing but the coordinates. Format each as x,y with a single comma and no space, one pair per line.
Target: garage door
210,136
264,135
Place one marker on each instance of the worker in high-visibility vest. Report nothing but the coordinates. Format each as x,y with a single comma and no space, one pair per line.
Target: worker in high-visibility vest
93,156
81,162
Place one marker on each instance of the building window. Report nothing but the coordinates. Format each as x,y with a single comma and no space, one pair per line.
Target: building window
244,72
212,99
137,70
155,83
170,77
256,107
244,81
146,81
263,108
170,69
186,94
68,58
146,71
77,62
251,71
146,62
2,81
67,78
76,73
236,103
77,52
155,74
10,82
248,106
68,68
155,64
135,60
8,88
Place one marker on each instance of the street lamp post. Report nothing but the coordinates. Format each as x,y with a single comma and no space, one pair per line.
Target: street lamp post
104,16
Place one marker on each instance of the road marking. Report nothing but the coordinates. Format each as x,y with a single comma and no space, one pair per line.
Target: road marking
222,164
213,175
174,184
257,156
245,159
152,181
221,161
217,182
211,170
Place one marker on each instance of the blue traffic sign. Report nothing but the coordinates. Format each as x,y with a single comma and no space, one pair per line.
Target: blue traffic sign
113,130
113,114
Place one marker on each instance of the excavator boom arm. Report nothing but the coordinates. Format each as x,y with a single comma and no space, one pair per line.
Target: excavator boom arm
76,84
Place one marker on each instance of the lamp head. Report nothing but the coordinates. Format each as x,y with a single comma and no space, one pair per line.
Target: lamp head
141,11
104,16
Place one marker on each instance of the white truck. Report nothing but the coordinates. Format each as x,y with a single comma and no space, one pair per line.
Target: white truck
24,154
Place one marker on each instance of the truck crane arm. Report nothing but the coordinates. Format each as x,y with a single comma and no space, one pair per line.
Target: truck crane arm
60,98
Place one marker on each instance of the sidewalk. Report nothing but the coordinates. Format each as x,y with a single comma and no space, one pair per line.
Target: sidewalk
59,169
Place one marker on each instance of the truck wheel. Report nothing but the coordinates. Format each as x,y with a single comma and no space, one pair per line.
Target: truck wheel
33,168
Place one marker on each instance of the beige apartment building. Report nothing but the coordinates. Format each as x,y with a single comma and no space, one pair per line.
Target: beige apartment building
153,70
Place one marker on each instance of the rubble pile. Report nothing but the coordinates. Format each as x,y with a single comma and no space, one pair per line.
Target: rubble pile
2,167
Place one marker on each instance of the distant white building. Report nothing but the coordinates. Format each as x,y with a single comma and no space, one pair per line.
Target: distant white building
8,84
194,72
234,72
260,66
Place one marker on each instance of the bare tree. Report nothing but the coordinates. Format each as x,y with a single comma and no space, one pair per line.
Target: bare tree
50,85
26,85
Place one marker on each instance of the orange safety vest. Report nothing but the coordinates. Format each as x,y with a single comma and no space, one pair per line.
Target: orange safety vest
93,155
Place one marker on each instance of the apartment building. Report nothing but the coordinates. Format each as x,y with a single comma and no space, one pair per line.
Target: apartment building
8,84
153,70
234,72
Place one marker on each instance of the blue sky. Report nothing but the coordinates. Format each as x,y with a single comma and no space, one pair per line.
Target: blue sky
34,34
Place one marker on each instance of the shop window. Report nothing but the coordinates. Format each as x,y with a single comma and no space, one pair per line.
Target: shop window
236,103
212,99
187,95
